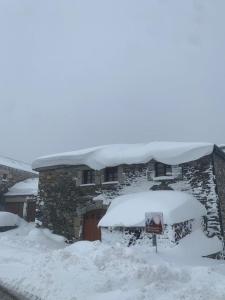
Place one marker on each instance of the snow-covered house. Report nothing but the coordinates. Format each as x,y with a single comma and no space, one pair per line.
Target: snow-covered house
12,171
76,188
21,199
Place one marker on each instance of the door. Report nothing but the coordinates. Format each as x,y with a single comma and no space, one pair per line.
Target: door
31,211
15,208
91,232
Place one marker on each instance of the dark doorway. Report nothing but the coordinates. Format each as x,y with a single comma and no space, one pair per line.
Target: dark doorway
91,232
31,211
15,208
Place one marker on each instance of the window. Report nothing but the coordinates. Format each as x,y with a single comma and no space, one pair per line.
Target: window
4,177
111,174
162,170
88,177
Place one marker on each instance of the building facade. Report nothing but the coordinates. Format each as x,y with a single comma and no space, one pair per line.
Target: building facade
73,198
12,172
21,199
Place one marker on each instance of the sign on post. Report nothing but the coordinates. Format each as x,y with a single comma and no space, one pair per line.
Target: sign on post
154,222
154,225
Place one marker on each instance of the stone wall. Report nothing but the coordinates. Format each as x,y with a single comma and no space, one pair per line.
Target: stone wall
219,169
63,199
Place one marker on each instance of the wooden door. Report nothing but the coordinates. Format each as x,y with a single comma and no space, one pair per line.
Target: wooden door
15,208
91,232
31,211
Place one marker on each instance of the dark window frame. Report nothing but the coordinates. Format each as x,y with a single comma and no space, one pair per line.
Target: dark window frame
111,174
162,169
88,177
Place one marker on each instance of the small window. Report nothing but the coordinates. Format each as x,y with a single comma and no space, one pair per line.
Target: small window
162,170
111,174
88,177
4,177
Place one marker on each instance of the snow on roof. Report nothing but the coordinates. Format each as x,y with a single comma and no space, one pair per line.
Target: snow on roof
129,210
97,158
15,164
9,219
22,188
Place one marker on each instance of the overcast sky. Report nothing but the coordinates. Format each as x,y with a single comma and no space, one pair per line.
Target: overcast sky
81,73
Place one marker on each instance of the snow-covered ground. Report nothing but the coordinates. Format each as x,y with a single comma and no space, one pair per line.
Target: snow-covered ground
35,261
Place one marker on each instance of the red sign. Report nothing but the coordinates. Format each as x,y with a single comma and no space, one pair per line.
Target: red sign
154,222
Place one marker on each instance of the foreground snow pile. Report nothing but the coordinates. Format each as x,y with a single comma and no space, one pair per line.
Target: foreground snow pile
22,188
129,210
171,153
39,263
9,219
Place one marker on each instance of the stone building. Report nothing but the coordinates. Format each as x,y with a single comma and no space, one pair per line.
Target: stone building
76,188
21,199
12,172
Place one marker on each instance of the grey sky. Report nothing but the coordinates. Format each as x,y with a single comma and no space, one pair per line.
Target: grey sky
81,73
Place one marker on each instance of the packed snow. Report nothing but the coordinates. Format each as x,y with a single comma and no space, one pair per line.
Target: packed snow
129,210
172,153
35,262
9,219
15,164
22,188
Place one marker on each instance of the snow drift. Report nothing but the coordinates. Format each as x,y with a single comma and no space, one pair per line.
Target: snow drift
172,153
22,188
129,210
9,219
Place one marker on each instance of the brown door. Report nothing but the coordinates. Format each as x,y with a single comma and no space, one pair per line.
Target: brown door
31,211
15,208
91,231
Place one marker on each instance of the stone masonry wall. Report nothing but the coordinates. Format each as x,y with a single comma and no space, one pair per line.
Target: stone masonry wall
219,167
63,199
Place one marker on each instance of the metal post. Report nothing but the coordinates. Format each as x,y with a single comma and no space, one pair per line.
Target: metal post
154,242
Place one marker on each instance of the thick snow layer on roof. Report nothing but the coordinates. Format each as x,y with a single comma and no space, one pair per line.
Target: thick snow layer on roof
12,163
26,187
171,153
129,210
9,219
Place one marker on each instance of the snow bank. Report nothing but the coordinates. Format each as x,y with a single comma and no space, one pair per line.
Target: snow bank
26,187
9,219
198,244
129,210
22,188
172,153
12,163
95,271
33,261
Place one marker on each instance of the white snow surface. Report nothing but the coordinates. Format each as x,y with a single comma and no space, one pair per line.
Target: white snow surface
23,188
172,153
35,262
129,210
9,219
15,164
